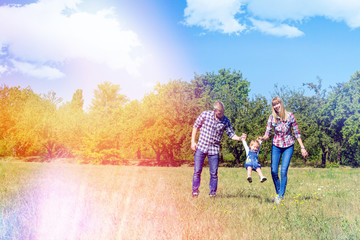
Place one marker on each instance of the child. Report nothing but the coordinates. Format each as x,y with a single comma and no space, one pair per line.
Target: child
252,161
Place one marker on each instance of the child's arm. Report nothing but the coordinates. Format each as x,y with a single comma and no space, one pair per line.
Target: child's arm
245,146
260,140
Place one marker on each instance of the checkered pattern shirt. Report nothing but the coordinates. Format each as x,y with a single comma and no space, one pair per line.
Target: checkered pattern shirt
211,131
283,137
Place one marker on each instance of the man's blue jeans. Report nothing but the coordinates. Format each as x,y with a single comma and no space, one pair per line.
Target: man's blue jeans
213,167
276,152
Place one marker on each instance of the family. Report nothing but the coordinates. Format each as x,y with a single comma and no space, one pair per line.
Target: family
212,125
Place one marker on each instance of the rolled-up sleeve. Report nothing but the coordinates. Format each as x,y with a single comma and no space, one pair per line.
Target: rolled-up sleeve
199,121
269,126
229,130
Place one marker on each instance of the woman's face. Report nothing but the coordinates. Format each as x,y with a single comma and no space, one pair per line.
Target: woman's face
277,107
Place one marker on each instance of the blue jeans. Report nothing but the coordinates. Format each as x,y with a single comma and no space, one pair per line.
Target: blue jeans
276,152
213,168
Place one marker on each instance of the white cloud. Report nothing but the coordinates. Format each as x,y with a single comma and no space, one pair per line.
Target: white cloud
268,16
38,71
3,69
214,15
41,33
280,30
337,10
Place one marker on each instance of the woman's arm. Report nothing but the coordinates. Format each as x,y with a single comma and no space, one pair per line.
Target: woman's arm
265,137
304,153
297,135
269,126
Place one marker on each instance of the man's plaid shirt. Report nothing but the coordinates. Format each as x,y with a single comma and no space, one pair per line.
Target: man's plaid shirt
283,137
211,131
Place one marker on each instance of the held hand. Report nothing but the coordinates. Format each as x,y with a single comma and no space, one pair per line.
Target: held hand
243,136
193,146
304,153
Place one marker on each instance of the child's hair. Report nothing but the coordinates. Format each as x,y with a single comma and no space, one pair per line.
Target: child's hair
256,141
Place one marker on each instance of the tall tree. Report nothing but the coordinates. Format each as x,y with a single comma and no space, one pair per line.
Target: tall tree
252,119
232,89
73,124
48,128
318,139
102,142
342,114
168,119
20,112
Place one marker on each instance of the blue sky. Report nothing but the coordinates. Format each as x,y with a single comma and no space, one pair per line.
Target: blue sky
64,45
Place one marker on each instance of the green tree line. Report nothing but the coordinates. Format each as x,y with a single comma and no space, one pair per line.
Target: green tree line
158,128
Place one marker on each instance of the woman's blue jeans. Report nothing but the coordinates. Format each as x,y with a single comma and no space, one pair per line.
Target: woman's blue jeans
276,152
213,168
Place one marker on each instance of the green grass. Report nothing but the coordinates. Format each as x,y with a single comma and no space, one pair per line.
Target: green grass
69,201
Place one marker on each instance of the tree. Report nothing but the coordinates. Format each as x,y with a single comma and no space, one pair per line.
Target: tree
72,124
308,113
252,119
19,115
232,89
167,119
342,115
102,142
48,128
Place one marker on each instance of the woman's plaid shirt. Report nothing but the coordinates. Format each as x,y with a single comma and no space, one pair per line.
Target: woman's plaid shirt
211,131
283,137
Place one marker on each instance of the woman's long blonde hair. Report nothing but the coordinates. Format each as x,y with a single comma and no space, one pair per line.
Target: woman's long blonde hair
283,114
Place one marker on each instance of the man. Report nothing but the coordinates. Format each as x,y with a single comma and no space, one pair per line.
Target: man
212,125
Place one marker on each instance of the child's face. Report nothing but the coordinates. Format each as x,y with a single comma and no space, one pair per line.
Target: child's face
254,147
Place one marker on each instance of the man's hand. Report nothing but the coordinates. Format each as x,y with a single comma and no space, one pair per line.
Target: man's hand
243,136
193,145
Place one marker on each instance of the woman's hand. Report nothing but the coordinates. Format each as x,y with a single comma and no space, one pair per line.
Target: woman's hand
304,153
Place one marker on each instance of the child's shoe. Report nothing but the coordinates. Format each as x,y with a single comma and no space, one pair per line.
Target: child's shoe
263,179
249,179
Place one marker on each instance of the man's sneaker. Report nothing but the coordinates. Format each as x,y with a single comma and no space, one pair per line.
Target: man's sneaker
195,194
249,179
263,179
212,195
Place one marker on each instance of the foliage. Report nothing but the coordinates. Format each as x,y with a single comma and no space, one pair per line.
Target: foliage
342,115
158,127
167,119
101,142
230,88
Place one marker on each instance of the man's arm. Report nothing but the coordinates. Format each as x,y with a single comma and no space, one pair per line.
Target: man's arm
236,138
193,136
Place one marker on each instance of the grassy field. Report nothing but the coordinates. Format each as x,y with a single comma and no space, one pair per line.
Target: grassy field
70,201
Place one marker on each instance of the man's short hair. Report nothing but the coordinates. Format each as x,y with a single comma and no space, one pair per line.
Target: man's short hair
219,105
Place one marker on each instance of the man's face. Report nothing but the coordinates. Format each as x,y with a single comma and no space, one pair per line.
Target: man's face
219,113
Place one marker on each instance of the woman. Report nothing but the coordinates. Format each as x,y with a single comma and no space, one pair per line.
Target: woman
283,144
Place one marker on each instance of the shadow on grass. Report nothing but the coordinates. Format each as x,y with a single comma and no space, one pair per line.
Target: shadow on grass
244,194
